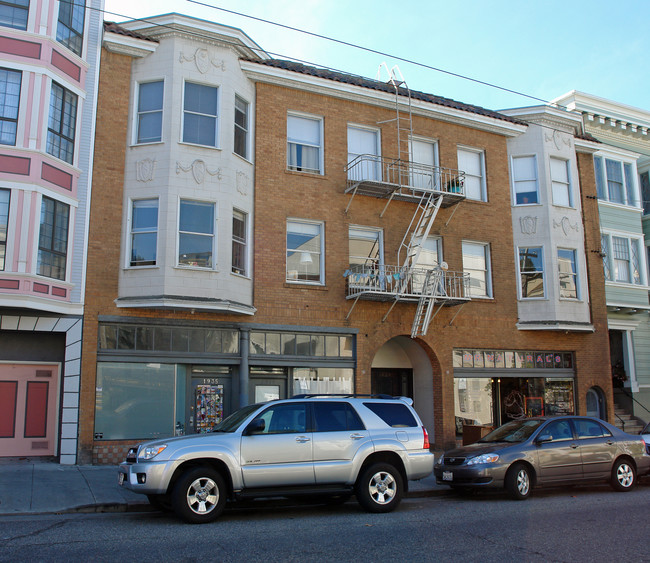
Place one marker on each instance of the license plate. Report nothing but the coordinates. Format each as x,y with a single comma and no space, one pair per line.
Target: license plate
120,478
447,476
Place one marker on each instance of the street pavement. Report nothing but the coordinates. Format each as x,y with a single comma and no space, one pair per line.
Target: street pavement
31,486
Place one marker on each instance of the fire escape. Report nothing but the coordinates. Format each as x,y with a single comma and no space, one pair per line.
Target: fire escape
430,188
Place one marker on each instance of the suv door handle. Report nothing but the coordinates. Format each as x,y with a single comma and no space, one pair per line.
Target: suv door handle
302,439
356,436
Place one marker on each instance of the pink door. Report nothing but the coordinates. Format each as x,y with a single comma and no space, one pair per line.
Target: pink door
28,409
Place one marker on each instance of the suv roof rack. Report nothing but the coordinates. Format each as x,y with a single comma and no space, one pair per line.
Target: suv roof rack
347,396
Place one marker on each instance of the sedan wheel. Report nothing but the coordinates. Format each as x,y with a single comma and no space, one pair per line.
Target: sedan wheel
379,488
518,481
199,495
623,476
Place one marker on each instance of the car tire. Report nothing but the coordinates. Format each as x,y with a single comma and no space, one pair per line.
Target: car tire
160,502
379,488
199,495
623,476
518,481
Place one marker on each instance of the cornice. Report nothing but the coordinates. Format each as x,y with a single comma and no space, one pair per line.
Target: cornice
324,86
130,46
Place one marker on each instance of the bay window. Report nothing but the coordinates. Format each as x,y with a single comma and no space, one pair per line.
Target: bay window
531,272
196,228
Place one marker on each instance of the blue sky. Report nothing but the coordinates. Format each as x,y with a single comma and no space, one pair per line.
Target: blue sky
542,49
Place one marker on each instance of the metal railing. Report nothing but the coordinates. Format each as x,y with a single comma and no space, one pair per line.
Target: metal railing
367,168
383,282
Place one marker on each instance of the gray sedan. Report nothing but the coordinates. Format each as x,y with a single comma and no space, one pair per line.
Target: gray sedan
546,451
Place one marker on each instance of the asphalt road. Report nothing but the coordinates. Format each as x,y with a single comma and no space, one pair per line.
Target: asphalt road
569,525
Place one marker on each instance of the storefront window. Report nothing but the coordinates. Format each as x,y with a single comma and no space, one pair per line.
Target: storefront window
323,380
473,398
135,401
301,344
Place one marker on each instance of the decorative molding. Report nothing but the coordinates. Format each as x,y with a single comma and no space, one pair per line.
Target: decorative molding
199,169
241,182
566,225
203,61
144,170
528,225
558,139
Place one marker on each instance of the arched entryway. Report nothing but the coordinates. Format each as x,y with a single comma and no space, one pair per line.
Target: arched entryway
596,403
402,367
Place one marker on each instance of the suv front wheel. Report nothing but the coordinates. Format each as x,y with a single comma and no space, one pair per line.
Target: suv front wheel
379,488
199,495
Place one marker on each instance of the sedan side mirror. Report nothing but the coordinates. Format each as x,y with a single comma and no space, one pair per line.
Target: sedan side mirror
544,438
256,427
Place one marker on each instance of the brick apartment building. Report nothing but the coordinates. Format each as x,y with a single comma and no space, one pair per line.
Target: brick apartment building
263,229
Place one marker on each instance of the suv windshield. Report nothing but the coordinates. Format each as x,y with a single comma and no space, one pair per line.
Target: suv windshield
231,423
515,431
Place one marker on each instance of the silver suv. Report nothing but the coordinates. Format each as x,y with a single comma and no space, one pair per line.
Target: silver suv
307,445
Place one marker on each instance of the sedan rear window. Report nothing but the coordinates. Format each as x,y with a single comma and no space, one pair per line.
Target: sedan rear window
396,415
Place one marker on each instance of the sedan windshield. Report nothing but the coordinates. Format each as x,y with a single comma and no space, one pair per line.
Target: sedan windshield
515,431
231,423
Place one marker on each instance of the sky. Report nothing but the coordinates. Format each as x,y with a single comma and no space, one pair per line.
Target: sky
541,49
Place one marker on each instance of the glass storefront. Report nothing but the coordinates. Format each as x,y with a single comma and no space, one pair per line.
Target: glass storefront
494,387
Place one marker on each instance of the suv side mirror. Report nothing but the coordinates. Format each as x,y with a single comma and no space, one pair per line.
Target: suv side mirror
256,427
544,438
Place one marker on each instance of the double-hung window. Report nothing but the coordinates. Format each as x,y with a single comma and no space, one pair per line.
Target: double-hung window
365,247
567,273
560,184
364,162
476,263
144,232
241,127
150,112
305,143
70,28
524,175
531,272
9,102
424,160
615,181
196,228
200,105
4,224
305,251
644,179
472,162
239,243
623,258
53,239
62,123
14,13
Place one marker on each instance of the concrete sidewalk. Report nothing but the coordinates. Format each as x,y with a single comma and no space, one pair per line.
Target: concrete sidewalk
38,487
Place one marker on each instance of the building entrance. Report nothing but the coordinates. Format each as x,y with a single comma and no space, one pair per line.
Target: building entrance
392,381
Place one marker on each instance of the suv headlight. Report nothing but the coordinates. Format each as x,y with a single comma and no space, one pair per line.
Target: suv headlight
151,451
485,458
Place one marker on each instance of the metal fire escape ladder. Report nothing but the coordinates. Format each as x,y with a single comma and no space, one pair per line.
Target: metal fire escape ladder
433,285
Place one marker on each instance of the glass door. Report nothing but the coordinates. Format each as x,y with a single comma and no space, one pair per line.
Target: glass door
209,398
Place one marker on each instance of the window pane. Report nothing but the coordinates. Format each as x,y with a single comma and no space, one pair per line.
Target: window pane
62,123
600,180
144,232
615,181
200,114
197,217
14,13
150,103
475,264
471,162
531,269
9,101
645,192
524,170
303,144
53,239
566,262
303,251
4,222
241,127
239,243
70,26
560,182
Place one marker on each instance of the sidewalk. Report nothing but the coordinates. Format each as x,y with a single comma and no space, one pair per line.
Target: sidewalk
37,487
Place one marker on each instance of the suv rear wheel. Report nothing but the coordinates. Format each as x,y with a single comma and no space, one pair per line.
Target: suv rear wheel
199,496
379,488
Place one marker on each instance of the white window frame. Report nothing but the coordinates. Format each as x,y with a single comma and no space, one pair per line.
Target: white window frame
294,140
132,233
630,185
213,235
609,258
421,177
244,243
519,273
216,117
487,268
565,185
481,178
321,252
369,170
140,114
245,129
575,274
516,180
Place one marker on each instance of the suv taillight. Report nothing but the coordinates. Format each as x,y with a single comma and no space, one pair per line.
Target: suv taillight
426,445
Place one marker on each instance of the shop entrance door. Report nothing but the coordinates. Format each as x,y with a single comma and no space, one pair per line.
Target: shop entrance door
28,409
209,398
392,381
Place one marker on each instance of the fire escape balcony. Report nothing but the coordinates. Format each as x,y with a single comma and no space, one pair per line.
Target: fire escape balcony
390,283
401,180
